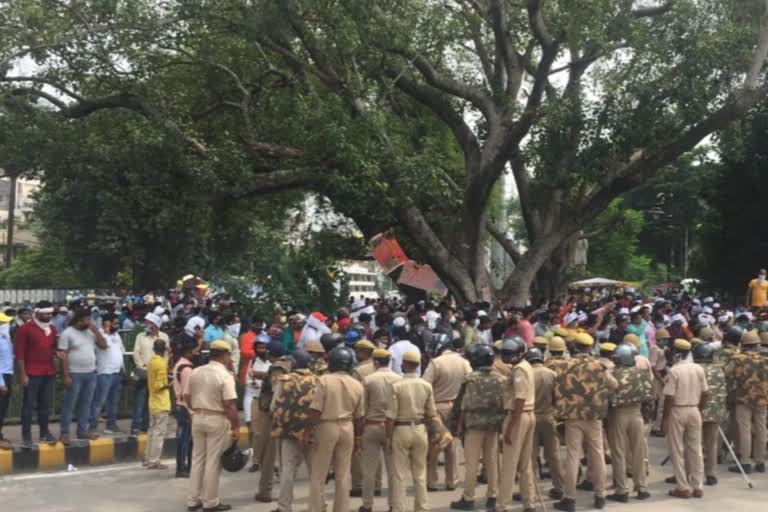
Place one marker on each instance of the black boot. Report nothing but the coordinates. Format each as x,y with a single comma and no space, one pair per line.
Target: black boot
711,480
599,502
760,467
490,504
517,497
463,504
621,498
586,485
556,494
254,468
643,495
746,467
671,480
355,493
566,505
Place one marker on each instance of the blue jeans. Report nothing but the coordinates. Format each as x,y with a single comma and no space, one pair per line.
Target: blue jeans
37,395
107,392
183,440
141,408
81,392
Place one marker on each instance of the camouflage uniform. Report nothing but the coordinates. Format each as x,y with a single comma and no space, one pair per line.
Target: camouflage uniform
625,426
545,432
483,408
723,357
290,407
267,452
714,414
746,377
581,394
319,367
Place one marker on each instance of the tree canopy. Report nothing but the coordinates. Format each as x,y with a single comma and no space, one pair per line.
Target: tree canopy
403,113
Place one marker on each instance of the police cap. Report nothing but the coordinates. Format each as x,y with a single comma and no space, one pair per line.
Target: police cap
683,345
557,344
633,339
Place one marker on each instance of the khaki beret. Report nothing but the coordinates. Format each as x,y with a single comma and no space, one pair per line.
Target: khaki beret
497,345
706,333
557,344
696,341
681,344
607,347
365,345
562,332
584,339
411,357
633,339
381,353
221,345
540,340
314,346
662,334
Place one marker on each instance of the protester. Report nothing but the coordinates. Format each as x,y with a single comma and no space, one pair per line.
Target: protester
6,373
181,373
142,353
214,331
159,405
77,351
109,370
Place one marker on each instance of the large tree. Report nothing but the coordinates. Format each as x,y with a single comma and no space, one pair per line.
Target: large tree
405,113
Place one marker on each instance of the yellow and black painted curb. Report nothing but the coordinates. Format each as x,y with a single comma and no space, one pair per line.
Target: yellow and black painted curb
81,452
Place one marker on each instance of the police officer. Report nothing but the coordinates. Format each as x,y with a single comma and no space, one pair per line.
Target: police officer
411,404
557,352
541,343
480,420
685,393
315,349
290,408
658,360
377,387
583,403
625,427
747,374
333,429
716,410
498,364
519,426
212,398
546,429
446,373
731,341
364,350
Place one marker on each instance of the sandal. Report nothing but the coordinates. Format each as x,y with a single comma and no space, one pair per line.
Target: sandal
680,493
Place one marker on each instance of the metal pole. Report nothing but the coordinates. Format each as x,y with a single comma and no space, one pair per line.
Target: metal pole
730,449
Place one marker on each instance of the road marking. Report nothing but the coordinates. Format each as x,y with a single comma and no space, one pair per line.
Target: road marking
131,466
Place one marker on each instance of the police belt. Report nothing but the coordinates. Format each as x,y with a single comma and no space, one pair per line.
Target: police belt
209,411
375,422
409,423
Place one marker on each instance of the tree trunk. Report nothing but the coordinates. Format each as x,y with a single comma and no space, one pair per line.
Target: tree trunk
553,276
11,219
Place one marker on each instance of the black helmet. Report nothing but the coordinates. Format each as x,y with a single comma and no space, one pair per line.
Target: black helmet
331,340
512,348
233,459
439,343
480,355
534,355
703,352
624,355
733,335
301,360
341,359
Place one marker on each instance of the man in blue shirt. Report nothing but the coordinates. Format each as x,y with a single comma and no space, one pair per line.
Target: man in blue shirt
6,373
214,331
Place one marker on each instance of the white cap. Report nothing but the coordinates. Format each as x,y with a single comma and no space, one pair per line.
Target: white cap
637,308
158,310
707,309
624,311
706,320
399,321
192,324
709,299
716,305
582,316
678,318
481,313
696,301
151,317
723,318
571,317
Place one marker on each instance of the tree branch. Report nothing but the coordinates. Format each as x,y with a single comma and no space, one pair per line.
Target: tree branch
507,244
759,56
538,27
39,80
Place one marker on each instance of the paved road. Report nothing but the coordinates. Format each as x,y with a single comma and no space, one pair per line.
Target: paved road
128,488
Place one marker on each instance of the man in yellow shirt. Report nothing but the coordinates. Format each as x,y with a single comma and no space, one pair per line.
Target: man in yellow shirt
757,291
159,406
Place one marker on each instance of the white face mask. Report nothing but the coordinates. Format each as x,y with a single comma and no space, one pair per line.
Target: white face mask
761,278
5,330
234,330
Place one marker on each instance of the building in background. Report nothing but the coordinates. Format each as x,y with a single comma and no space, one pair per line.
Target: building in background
366,279
23,235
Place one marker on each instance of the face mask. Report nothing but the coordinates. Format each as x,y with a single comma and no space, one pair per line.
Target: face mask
234,329
5,330
659,325
148,330
475,323
453,320
761,278
420,329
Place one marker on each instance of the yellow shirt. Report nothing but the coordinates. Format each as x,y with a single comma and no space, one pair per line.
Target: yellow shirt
157,379
758,293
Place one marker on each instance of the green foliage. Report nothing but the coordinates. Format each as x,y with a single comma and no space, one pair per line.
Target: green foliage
41,268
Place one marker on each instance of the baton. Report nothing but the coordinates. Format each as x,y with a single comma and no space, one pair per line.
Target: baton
730,448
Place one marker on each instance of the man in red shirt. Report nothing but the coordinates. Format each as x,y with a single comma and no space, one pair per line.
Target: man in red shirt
34,349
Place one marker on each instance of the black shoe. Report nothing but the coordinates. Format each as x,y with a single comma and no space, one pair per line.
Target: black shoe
482,479
586,485
599,502
657,433
583,461
254,468
746,467
262,499
27,443
671,480
377,492
182,474
608,460
48,438
355,493
760,467
134,432
490,504
432,489
529,509
711,480
463,504
517,497
643,495
566,505
556,494
221,507
193,508
621,498
361,509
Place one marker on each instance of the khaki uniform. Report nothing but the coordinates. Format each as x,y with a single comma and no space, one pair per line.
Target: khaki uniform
746,373
685,384
411,404
446,373
261,416
378,391
546,429
658,362
516,457
501,367
209,387
360,372
339,398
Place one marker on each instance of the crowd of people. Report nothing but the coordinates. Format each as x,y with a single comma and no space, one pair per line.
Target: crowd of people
386,387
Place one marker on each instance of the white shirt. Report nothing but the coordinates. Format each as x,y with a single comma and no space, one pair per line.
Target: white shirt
257,365
397,350
110,359
431,317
